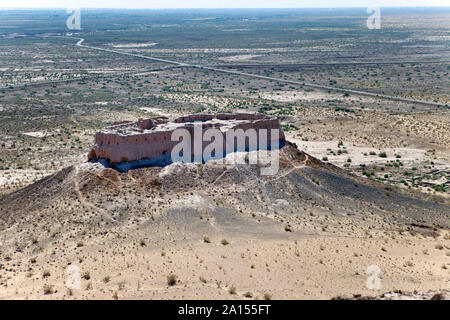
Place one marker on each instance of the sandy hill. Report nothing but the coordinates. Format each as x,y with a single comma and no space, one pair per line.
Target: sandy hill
222,231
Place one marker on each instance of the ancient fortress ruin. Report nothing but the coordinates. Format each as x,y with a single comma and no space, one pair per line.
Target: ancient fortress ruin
148,142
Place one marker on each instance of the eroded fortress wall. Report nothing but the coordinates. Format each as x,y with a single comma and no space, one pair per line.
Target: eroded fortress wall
119,143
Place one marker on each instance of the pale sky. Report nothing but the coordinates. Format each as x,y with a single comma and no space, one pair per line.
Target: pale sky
131,4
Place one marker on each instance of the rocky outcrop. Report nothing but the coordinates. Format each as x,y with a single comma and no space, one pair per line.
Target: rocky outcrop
151,139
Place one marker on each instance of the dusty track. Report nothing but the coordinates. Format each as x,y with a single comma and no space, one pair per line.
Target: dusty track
298,65
249,75
83,200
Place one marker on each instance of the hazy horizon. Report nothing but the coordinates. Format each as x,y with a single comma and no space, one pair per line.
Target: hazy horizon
205,4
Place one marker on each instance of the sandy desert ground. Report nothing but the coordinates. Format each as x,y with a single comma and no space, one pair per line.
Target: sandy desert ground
299,235
361,198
